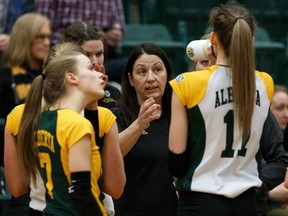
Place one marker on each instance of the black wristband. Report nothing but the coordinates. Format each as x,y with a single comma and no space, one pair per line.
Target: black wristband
20,205
81,194
178,163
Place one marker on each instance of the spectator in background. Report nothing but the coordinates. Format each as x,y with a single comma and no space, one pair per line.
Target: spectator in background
278,197
279,105
22,61
3,21
106,15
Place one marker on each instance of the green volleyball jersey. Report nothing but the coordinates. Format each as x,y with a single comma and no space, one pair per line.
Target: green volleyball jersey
220,162
58,131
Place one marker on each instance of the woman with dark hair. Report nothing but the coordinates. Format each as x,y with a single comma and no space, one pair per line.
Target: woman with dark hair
91,40
143,127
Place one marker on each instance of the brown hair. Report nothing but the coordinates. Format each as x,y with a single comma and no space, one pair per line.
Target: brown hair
280,88
60,60
80,32
234,26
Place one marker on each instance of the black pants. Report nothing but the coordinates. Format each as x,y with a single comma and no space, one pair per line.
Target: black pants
20,207
204,204
34,212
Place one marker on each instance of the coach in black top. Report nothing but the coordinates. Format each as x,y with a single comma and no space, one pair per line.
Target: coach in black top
143,126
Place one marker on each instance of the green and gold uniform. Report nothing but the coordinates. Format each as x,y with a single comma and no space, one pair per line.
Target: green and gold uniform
57,132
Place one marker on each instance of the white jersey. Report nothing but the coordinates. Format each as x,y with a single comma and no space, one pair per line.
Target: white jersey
37,194
221,162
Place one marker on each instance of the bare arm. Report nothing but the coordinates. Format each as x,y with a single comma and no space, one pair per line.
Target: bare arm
80,168
178,157
13,170
80,155
113,178
179,127
130,135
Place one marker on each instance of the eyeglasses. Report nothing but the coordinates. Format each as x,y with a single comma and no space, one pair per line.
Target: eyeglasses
42,37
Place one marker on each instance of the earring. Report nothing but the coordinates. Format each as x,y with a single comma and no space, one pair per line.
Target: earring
131,83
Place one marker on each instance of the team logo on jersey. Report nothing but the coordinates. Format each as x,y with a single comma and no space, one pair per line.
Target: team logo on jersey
108,98
107,94
179,78
71,189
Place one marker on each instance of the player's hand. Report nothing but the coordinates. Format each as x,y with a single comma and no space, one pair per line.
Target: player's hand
100,68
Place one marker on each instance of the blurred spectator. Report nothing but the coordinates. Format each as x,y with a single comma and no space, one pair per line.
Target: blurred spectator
105,15
3,21
16,8
278,197
279,105
22,61
3,14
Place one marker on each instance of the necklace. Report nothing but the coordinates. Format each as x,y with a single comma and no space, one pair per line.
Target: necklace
223,65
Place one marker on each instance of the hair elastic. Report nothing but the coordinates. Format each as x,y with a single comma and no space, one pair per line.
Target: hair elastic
237,18
43,76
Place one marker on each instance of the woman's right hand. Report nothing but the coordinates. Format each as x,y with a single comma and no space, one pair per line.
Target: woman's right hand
149,111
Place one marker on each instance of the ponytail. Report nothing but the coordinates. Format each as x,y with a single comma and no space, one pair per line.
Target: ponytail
234,26
26,139
242,64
